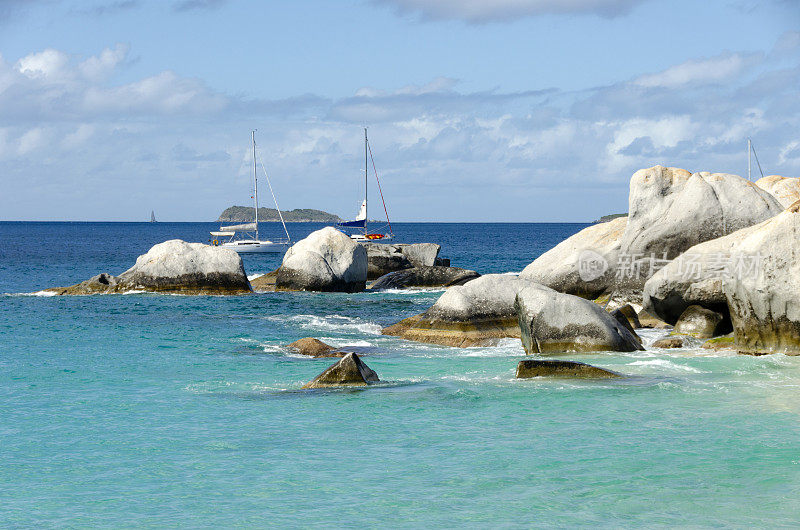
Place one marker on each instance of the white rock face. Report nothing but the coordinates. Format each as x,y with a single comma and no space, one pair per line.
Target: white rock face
765,304
178,267
558,268
478,313
383,258
786,190
671,210
552,322
327,260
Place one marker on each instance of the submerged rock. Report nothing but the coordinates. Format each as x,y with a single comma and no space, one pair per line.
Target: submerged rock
348,371
595,249
435,276
478,313
552,322
326,260
669,342
786,190
315,348
720,343
700,322
265,283
174,266
540,368
383,258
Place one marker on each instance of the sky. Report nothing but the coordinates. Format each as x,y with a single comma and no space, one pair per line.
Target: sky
477,110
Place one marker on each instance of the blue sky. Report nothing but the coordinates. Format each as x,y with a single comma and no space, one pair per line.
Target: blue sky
479,110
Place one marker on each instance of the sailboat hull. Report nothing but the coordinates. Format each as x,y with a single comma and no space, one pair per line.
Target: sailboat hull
254,247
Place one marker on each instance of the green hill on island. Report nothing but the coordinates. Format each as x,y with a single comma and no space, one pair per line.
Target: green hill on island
244,214
609,217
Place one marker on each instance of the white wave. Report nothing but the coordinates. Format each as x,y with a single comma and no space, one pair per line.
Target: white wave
664,363
37,293
338,323
412,291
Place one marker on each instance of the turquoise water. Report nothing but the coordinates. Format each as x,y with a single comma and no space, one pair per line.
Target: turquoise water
161,411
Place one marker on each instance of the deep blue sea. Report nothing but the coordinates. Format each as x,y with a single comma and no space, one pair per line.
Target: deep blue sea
146,410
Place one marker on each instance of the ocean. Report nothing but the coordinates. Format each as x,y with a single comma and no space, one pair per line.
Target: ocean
146,410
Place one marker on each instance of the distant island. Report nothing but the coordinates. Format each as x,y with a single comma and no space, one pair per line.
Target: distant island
609,217
244,214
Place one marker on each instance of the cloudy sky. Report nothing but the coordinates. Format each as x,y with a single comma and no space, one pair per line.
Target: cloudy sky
478,110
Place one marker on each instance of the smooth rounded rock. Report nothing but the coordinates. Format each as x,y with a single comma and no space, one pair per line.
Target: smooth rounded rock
700,322
669,342
327,260
314,348
552,368
785,189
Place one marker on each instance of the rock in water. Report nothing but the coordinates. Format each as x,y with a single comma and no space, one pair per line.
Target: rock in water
540,368
174,266
700,322
327,260
314,348
764,300
265,283
626,323
478,313
669,342
435,276
786,190
630,313
594,249
671,210
348,371
552,322
383,258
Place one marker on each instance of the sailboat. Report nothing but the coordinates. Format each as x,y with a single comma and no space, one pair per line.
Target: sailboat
226,236
360,223
153,216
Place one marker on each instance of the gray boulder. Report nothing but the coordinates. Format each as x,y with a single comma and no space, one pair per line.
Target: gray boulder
583,264
326,260
350,370
528,368
700,322
478,313
174,266
384,258
552,322
422,277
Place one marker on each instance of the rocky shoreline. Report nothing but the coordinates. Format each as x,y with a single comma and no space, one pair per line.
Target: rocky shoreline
710,256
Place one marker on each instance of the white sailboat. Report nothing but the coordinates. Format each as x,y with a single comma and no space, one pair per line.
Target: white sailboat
153,216
226,236
360,223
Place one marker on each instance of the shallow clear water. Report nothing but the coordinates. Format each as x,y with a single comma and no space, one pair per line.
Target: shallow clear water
156,410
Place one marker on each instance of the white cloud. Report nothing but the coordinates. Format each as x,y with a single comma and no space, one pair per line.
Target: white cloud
98,67
717,69
31,141
50,65
483,11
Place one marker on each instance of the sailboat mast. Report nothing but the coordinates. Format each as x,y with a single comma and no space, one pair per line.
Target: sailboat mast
255,184
366,180
748,159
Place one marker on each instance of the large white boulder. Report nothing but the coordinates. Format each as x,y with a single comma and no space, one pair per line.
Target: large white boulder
478,313
671,210
583,264
765,302
553,322
174,266
785,189
326,260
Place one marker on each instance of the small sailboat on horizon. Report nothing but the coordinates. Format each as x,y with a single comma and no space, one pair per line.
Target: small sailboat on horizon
153,216
360,223
225,237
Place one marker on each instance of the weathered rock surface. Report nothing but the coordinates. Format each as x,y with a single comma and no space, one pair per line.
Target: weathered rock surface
595,248
765,303
326,260
552,322
265,283
383,258
646,320
421,277
630,313
622,319
173,266
786,190
720,343
350,370
669,342
478,313
700,322
542,368
314,348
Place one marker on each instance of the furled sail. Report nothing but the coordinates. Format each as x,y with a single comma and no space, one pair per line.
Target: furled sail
246,227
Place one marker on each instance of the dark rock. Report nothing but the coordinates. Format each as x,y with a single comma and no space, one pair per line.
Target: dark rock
631,315
383,258
622,319
425,277
669,342
646,320
540,368
314,348
265,283
348,371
